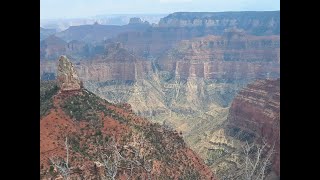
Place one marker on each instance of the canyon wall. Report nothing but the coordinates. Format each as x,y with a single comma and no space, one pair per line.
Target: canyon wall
108,71
231,56
116,64
146,40
258,23
187,25
256,110
184,74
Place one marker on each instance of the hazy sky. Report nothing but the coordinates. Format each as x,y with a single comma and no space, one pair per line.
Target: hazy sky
86,8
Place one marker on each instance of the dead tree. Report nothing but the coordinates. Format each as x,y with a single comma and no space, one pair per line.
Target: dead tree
61,165
254,161
257,158
111,162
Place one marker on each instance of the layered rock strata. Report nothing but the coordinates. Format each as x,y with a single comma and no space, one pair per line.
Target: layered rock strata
256,110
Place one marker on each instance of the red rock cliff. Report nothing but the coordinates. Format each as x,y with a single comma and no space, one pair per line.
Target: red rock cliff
256,109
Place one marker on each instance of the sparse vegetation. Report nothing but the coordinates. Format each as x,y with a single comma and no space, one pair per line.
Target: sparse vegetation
88,106
190,174
51,169
214,154
47,90
157,142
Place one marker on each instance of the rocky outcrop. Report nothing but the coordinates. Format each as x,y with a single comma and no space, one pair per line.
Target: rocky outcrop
256,110
68,79
231,56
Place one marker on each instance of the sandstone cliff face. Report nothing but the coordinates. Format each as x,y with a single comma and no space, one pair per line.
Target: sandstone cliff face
230,57
116,64
107,71
68,79
256,109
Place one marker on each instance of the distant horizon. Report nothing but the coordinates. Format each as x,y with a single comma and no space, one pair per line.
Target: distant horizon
128,14
74,9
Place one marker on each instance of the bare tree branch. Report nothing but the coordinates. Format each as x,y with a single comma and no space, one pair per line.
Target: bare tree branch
61,165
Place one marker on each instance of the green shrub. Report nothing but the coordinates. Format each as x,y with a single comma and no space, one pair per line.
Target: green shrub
51,169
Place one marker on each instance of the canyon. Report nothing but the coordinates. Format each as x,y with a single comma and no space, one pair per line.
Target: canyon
98,130
203,74
254,118
152,40
234,55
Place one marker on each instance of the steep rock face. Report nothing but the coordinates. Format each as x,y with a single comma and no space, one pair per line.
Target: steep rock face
258,23
232,56
68,79
116,64
256,109
107,71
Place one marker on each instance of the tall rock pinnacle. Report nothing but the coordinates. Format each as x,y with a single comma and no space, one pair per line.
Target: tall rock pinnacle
68,79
